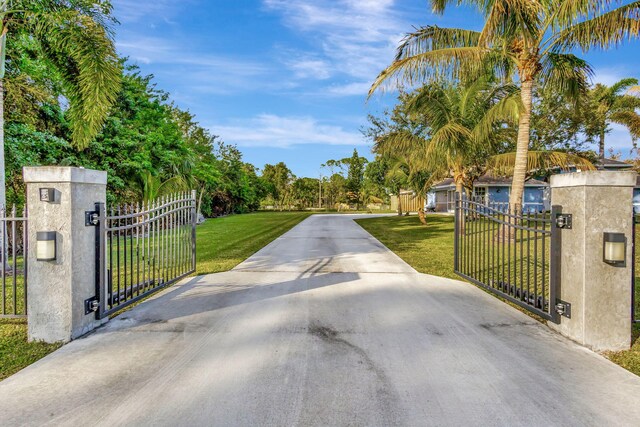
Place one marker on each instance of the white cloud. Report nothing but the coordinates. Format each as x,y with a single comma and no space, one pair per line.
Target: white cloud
356,37
269,130
202,72
350,89
619,139
609,76
310,68
130,11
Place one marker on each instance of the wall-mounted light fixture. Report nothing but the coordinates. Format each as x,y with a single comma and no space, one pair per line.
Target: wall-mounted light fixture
48,195
615,249
46,245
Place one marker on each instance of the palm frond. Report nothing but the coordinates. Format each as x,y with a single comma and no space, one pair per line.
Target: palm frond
503,164
510,19
430,38
629,119
602,31
507,110
86,57
566,73
400,143
625,85
431,65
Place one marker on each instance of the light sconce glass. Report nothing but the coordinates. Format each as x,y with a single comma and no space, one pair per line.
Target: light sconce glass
615,249
46,245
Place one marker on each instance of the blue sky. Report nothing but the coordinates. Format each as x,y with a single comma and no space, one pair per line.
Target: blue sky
286,80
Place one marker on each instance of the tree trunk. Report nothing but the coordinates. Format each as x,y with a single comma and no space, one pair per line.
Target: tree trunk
422,216
522,149
399,204
601,147
460,218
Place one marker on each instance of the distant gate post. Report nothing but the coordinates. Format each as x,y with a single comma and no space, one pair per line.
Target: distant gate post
61,268
599,292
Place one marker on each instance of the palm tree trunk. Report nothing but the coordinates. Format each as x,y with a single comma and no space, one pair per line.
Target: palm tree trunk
399,204
458,180
522,149
601,147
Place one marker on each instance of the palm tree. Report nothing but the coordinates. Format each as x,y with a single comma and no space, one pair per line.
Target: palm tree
151,186
466,129
74,38
532,39
615,104
462,129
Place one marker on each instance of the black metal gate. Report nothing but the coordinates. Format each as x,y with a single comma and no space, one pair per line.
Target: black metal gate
140,249
635,280
13,263
512,255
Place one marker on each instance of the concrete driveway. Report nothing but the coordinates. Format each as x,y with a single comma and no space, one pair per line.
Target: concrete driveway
324,326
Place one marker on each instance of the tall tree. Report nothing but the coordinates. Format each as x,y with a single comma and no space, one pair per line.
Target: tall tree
463,128
355,177
281,179
74,38
614,104
532,39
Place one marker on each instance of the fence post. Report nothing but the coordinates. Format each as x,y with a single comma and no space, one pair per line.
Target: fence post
194,222
58,198
456,233
594,295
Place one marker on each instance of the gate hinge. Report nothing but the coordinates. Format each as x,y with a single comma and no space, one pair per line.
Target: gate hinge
563,308
91,305
91,218
563,221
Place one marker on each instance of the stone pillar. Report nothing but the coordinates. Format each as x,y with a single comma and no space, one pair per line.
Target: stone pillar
57,289
599,293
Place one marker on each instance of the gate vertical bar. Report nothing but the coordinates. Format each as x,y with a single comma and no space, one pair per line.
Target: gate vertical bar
456,232
554,264
194,221
101,265
633,268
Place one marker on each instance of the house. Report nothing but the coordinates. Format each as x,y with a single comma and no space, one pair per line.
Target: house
493,190
489,190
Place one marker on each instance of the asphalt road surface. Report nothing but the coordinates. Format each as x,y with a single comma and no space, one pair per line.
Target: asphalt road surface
324,326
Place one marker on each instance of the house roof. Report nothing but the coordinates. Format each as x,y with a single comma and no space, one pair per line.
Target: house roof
612,164
491,181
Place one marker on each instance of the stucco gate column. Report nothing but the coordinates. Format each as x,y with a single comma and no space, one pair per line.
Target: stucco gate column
599,293
57,289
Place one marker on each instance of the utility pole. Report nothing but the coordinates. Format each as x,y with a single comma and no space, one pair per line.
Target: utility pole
320,192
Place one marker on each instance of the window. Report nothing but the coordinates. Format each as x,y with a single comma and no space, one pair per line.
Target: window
480,194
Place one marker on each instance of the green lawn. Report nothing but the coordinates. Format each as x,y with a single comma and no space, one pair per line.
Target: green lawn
429,249
222,243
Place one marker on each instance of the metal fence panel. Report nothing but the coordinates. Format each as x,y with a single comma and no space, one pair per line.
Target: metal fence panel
13,263
635,280
508,253
142,248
